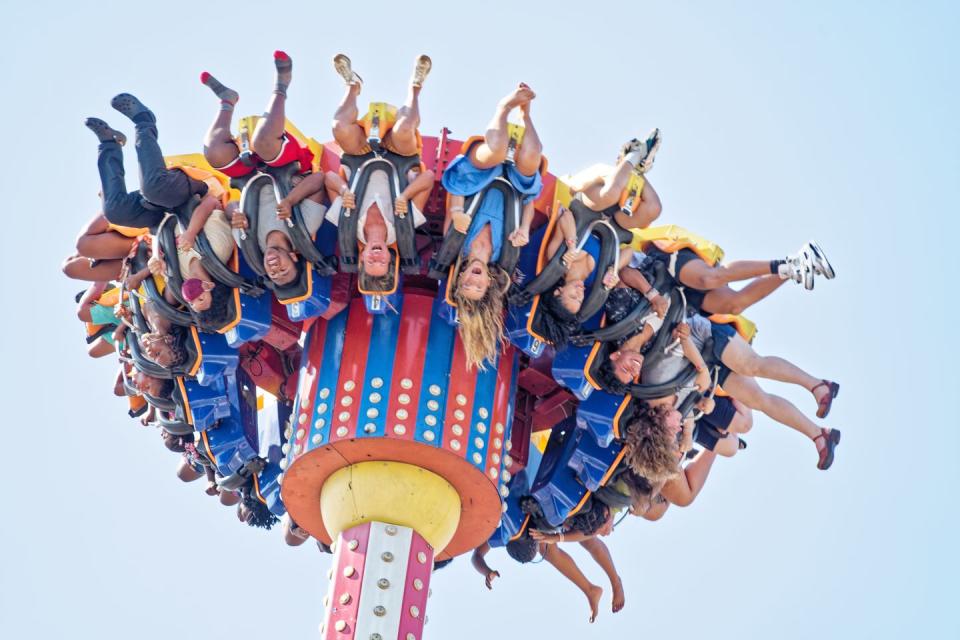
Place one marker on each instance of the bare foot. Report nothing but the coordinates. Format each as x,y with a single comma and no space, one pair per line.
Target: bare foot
521,95
619,599
593,597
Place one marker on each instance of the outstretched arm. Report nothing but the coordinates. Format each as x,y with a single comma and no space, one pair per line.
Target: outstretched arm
683,488
308,186
479,562
198,218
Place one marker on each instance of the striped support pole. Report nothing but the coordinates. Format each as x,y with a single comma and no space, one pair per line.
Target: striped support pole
379,584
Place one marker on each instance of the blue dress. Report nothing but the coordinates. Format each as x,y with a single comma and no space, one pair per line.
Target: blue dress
462,178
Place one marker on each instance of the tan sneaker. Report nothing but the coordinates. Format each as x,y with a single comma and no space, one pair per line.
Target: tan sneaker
341,63
420,70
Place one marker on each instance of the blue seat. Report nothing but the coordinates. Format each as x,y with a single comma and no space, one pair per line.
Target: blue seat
205,405
254,313
592,462
218,358
556,487
596,415
512,519
568,365
518,316
377,304
266,485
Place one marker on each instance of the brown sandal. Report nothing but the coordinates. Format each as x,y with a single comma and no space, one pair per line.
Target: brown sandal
831,438
824,404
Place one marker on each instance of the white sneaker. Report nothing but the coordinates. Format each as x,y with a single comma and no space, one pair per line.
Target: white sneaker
421,68
800,270
641,153
821,265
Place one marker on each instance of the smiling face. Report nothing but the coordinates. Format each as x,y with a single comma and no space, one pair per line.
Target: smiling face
157,347
376,259
474,280
626,365
147,384
570,295
279,261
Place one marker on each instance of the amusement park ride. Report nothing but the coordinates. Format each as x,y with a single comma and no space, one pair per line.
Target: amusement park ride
383,444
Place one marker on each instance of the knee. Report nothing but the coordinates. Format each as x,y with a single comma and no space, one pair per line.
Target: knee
712,279
751,366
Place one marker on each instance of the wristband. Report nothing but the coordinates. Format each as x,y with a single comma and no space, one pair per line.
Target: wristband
343,189
652,293
456,210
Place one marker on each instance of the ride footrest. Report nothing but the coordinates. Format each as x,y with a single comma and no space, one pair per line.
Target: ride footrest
597,414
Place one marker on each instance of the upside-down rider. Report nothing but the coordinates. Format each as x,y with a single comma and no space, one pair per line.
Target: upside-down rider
376,213
480,283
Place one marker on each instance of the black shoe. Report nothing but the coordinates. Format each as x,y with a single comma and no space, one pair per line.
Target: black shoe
129,106
831,438
104,132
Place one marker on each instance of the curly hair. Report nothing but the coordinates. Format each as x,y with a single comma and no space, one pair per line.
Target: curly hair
651,450
588,521
260,515
556,323
177,346
481,321
523,549
219,314
383,283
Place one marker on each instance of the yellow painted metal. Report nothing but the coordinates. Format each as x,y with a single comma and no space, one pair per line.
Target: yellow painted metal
392,492
671,238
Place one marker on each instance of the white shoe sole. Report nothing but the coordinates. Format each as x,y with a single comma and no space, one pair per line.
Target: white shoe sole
820,262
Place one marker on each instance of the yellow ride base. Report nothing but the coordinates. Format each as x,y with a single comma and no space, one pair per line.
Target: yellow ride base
392,492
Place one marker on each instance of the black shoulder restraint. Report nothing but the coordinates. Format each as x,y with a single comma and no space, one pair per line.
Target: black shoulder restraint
208,257
453,240
361,167
299,235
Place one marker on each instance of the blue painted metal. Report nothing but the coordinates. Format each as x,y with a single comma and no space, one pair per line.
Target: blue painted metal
437,372
556,487
218,358
380,357
595,415
591,462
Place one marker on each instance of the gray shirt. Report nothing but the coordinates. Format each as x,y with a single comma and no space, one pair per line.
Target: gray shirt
670,366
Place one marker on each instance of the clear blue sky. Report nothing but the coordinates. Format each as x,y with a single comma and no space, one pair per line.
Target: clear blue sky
780,123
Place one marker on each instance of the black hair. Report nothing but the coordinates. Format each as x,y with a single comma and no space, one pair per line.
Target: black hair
260,515
556,323
178,348
589,520
607,380
523,549
167,389
218,314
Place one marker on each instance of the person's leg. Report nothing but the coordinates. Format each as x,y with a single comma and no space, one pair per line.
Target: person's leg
403,134
606,193
347,133
268,134
119,206
493,150
699,275
747,391
219,147
79,268
563,563
740,357
163,187
100,348
98,242
186,472
727,300
601,555
727,446
530,152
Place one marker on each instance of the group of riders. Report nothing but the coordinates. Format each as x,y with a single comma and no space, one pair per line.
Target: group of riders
668,310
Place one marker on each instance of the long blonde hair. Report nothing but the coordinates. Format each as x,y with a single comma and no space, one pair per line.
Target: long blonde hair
481,321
